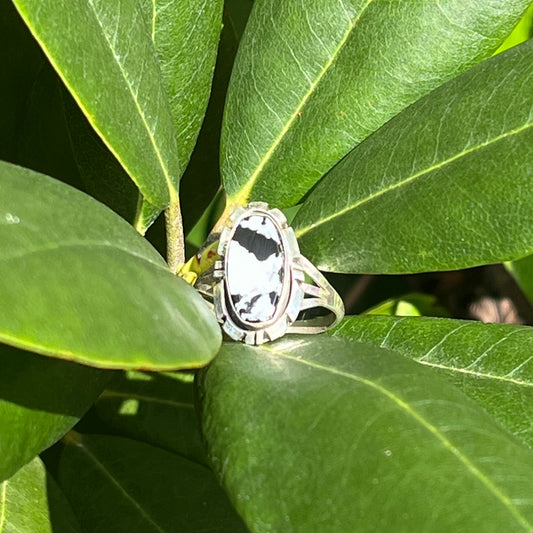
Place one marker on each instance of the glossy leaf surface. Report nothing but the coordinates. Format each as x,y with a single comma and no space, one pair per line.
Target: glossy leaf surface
26,500
104,53
202,176
328,434
154,408
313,79
522,272
140,488
79,283
185,36
447,184
492,363
40,400
57,140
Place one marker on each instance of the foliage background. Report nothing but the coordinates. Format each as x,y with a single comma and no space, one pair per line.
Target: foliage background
398,141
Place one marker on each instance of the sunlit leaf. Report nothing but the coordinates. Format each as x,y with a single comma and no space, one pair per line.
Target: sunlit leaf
492,363
104,53
26,500
444,185
80,283
329,434
313,79
185,36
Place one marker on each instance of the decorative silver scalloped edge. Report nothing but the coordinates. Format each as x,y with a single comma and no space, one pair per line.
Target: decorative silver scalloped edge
292,294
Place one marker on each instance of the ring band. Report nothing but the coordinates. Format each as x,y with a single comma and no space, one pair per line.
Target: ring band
261,287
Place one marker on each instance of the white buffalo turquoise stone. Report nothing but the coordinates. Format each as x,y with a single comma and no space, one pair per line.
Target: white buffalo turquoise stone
255,269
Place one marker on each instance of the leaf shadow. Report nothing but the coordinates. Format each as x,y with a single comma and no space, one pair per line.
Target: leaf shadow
156,408
61,515
47,384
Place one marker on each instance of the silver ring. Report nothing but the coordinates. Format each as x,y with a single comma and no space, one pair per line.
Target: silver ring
261,287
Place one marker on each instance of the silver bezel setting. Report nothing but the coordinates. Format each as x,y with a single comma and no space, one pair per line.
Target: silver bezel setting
303,287
292,293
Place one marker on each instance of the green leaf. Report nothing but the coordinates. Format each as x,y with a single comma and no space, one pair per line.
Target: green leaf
312,80
57,140
201,179
522,272
104,53
154,408
492,363
79,283
444,185
327,434
26,500
522,31
146,215
185,36
140,488
40,400
413,304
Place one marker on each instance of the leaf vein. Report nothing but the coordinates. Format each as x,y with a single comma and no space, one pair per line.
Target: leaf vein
386,338
491,347
242,196
521,365
154,19
442,341
506,378
413,177
3,502
121,489
171,188
435,431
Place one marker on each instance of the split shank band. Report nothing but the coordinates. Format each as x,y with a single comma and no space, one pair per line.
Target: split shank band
262,287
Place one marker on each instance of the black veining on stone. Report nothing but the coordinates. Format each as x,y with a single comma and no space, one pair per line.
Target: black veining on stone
249,306
259,245
274,298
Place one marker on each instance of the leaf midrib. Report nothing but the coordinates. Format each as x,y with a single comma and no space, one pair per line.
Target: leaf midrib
171,189
120,488
413,413
3,504
170,186
154,19
242,196
302,231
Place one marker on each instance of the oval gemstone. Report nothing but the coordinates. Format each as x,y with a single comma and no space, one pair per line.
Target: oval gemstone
255,263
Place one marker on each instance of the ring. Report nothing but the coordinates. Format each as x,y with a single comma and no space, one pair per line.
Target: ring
261,287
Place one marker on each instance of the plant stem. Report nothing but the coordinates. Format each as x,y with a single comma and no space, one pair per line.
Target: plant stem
138,222
175,238
228,210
